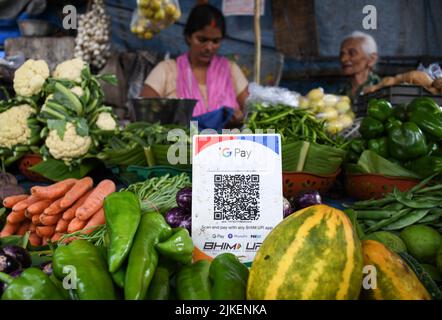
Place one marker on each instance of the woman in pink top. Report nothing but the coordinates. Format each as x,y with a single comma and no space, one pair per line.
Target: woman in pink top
200,73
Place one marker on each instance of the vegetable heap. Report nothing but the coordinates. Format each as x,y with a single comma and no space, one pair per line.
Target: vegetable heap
405,135
335,110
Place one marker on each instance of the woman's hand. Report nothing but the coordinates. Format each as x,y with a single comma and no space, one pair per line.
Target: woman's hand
236,120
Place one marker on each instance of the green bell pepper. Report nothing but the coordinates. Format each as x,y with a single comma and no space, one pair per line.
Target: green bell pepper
400,112
427,122
193,283
358,145
424,104
371,128
143,257
407,142
123,214
228,277
391,123
380,146
93,280
426,166
32,284
159,288
379,109
179,247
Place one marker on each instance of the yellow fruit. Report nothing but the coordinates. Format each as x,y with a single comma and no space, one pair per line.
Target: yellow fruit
317,105
303,103
345,120
330,100
328,114
316,94
334,127
170,10
155,5
159,15
343,107
345,98
147,35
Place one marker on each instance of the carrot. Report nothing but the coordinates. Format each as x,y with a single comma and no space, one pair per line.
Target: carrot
48,220
28,215
9,202
54,208
9,229
22,205
16,216
38,207
55,190
45,231
76,224
62,225
24,227
78,190
56,236
32,227
34,239
36,220
97,219
95,200
69,214
44,240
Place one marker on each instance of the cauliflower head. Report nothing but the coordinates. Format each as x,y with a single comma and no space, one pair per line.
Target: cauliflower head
77,90
30,77
14,127
106,122
69,70
71,146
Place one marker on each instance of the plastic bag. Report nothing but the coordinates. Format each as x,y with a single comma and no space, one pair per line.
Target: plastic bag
152,16
434,70
271,96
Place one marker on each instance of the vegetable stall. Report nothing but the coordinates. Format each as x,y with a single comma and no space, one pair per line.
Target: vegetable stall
92,208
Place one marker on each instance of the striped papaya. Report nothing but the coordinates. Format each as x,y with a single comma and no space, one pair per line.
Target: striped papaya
314,254
395,280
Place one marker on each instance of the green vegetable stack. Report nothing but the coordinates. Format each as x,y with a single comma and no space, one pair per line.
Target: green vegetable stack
408,136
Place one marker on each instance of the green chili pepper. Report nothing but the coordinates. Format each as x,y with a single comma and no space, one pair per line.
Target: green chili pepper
123,214
193,283
159,288
407,142
179,247
32,284
371,128
84,262
380,146
143,257
228,277
380,109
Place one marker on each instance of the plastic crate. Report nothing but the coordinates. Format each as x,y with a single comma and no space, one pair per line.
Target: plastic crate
396,95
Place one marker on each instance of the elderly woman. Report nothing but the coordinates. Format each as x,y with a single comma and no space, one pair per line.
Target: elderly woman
358,56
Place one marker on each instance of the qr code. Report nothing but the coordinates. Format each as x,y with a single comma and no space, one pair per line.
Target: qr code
236,197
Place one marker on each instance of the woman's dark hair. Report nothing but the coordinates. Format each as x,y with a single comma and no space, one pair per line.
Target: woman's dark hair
204,15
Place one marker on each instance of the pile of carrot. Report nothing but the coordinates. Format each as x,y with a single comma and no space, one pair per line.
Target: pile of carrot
62,208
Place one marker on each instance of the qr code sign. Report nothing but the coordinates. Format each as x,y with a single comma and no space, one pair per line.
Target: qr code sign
236,197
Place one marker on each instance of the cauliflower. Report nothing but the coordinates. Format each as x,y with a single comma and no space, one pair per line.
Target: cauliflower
106,122
14,127
71,146
30,77
77,90
69,70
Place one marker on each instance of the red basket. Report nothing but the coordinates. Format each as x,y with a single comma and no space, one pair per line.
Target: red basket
297,182
27,161
375,186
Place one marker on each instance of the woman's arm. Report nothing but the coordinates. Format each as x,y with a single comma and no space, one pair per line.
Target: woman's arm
149,92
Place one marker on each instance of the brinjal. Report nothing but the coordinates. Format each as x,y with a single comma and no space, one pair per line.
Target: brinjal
286,208
7,178
175,216
8,264
187,223
307,199
47,268
184,198
8,190
18,253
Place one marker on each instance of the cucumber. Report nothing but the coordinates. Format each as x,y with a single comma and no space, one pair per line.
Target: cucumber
423,276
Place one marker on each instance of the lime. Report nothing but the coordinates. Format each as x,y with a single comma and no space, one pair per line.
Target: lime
433,272
439,260
422,242
389,239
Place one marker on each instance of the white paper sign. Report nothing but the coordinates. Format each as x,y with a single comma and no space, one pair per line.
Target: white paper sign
236,193
241,7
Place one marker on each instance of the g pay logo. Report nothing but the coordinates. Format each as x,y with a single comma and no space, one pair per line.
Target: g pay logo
226,152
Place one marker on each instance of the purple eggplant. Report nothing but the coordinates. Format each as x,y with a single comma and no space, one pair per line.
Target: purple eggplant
8,264
307,199
47,268
18,253
175,216
184,198
14,274
286,208
187,224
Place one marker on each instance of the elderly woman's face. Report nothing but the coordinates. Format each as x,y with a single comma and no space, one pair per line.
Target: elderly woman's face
205,43
353,58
